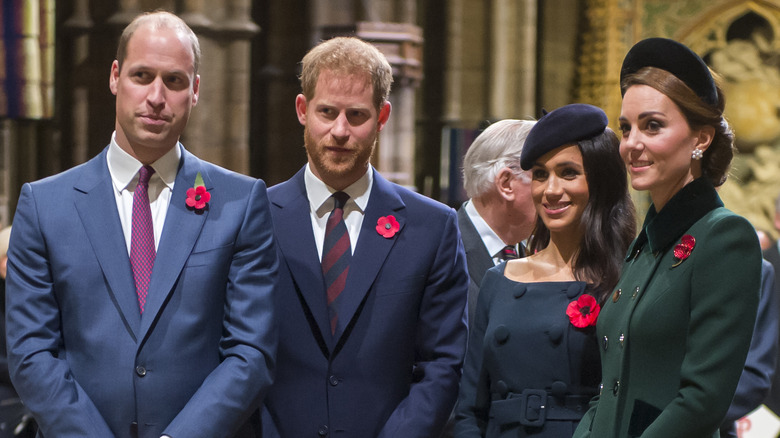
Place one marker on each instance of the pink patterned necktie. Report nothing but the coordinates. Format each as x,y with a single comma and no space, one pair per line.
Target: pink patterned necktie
336,256
142,252
508,253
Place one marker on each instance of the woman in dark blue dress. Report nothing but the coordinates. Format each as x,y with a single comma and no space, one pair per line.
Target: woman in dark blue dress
533,361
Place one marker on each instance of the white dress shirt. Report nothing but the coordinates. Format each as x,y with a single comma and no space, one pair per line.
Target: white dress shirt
124,175
321,204
492,242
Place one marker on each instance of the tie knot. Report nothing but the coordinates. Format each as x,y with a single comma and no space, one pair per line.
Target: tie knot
340,199
144,175
508,253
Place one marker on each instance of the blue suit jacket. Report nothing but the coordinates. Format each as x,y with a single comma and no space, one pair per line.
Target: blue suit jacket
393,370
83,358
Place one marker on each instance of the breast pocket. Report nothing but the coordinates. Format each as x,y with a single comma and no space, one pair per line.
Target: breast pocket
214,256
401,286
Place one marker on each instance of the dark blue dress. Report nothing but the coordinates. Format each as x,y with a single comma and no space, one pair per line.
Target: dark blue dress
528,371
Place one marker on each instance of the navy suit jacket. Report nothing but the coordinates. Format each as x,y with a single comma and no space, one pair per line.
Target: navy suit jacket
756,378
84,359
477,258
773,399
393,370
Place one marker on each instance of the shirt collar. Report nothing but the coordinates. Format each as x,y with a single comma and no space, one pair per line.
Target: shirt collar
685,208
492,242
319,193
123,167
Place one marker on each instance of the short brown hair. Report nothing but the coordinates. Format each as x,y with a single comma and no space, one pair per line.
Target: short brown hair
159,20
347,56
717,158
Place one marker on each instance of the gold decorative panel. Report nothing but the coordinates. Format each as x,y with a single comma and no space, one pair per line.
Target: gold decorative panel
740,40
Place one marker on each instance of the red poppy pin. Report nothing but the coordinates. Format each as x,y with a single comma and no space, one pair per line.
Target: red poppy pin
387,226
683,249
197,196
584,311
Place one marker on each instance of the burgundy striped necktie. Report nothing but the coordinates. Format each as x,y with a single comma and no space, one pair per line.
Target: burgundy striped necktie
142,252
508,253
336,255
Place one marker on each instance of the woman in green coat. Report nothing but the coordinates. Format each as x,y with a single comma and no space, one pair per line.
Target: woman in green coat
675,332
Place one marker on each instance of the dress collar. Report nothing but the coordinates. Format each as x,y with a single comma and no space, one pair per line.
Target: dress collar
685,208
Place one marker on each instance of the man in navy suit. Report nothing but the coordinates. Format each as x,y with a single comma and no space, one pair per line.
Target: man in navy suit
377,351
151,315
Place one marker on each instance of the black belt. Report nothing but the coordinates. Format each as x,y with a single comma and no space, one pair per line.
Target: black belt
533,407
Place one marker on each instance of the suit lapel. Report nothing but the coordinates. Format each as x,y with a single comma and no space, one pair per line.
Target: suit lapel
295,239
180,232
96,206
372,249
477,257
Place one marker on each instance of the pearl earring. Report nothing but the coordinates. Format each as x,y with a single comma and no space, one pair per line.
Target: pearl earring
697,154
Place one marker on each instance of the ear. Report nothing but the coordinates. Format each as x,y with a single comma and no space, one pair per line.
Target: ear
113,79
384,116
196,90
300,108
503,183
777,221
705,137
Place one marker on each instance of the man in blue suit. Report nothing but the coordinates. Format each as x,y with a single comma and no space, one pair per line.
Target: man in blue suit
140,306
371,338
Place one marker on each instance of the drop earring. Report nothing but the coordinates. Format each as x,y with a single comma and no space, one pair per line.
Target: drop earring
697,154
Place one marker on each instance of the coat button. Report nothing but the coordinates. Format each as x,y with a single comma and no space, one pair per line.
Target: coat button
601,388
616,387
636,292
556,334
559,388
501,334
621,339
323,430
616,295
141,371
333,380
605,343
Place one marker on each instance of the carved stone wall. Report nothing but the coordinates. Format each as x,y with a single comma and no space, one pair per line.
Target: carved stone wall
740,40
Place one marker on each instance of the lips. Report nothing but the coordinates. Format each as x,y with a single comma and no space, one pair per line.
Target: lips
553,209
638,165
153,119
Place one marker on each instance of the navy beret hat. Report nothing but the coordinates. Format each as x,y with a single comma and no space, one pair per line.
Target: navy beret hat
675,58
565,125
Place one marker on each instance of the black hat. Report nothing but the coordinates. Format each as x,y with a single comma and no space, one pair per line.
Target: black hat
675,58
565,125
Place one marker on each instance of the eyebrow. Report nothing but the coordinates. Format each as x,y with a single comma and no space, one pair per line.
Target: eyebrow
643,115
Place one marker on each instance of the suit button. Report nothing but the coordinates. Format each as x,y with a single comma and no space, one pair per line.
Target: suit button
621,339
616,387
616,295
605,343
323,430
636,292
501,334
141,371
333,380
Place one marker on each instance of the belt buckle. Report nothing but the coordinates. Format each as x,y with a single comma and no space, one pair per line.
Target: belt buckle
534,402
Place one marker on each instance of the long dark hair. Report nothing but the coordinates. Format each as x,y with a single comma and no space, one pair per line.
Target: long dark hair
608,223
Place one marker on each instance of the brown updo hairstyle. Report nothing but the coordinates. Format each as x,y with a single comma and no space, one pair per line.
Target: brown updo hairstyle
717,158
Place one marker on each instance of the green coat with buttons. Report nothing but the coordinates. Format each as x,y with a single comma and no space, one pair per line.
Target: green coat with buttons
675,333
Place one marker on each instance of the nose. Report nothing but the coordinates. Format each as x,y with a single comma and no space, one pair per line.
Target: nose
340,128
631,141
553,186
156,94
